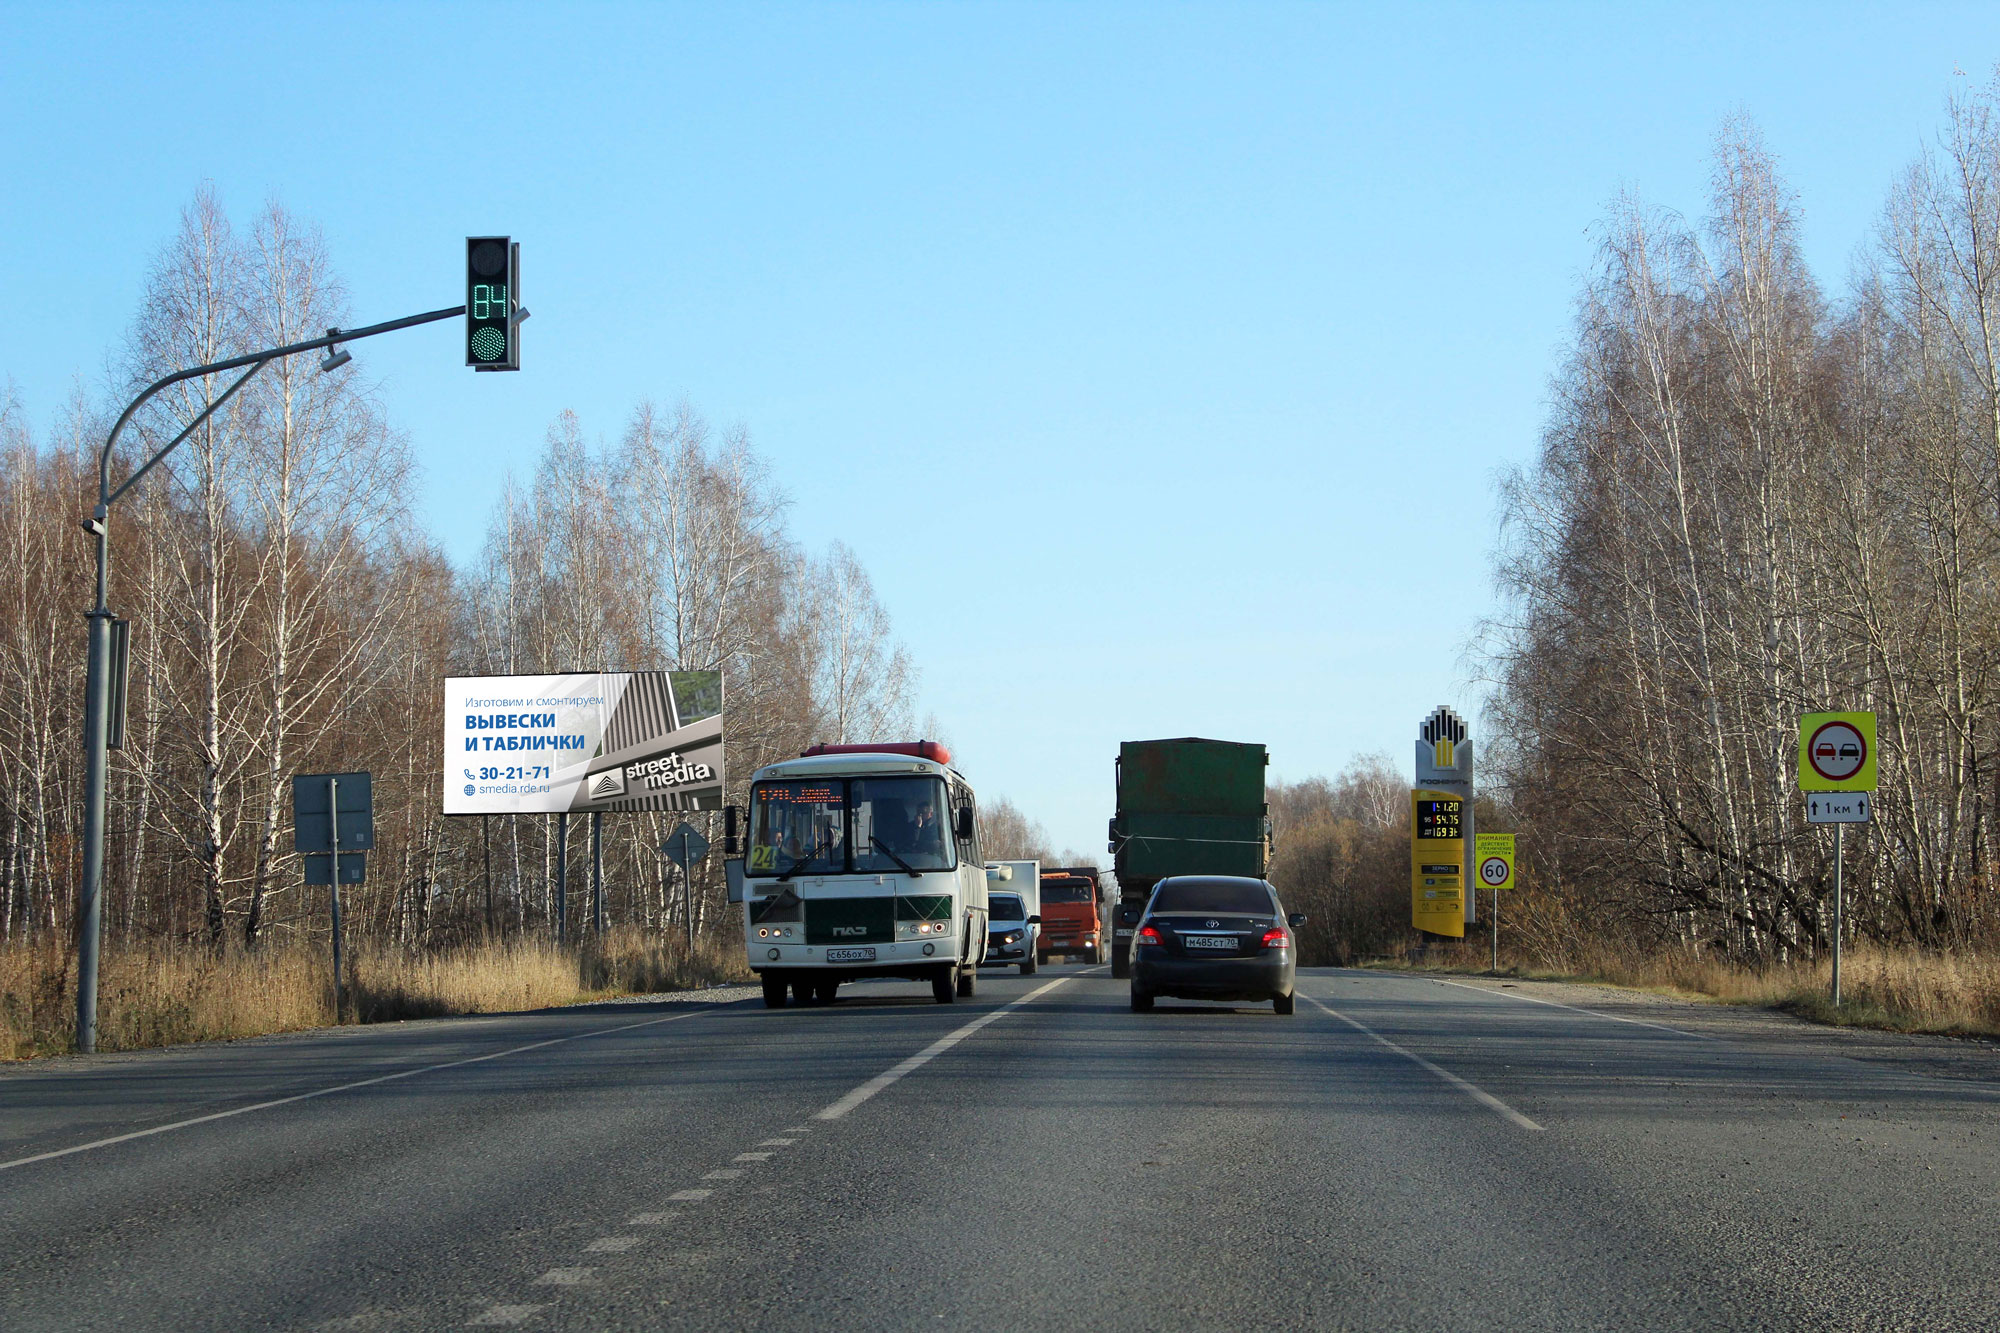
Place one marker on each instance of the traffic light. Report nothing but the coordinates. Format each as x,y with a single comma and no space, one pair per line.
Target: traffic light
493,311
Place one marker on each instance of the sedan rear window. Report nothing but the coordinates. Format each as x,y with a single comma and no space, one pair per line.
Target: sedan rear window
1213,896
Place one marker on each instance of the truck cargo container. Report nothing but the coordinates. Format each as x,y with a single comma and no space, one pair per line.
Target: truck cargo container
1188,806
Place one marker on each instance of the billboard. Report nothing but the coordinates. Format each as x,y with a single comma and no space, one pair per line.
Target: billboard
614,740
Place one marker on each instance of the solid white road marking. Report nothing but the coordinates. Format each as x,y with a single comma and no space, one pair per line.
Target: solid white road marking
1480,1095
507,1314
688,1196
1639,1022
612,1244
753,1157
565,1277
341,1087
929,1053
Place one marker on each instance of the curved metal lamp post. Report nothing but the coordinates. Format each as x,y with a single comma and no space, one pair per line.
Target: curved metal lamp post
97,686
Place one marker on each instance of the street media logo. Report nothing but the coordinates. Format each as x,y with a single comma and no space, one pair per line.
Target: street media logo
611,782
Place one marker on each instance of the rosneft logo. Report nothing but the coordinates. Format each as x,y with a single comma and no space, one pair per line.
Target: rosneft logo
1445,730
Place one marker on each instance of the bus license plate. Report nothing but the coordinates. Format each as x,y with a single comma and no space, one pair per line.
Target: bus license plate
850,955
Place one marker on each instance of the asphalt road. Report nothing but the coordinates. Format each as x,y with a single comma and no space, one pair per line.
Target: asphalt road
1403,1153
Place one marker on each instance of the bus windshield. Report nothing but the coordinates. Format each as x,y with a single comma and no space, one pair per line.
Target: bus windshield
838,826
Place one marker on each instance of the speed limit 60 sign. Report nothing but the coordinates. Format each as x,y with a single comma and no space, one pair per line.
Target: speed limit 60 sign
1837,752
1494,855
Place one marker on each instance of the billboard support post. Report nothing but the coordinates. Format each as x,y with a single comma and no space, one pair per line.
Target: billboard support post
597,873
486,841
562,879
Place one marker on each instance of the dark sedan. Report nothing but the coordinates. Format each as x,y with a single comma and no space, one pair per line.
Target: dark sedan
1215,937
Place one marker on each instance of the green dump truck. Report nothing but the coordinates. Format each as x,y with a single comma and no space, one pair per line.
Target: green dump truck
1185,807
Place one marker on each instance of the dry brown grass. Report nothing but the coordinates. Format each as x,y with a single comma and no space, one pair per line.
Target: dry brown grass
160,996
1905,990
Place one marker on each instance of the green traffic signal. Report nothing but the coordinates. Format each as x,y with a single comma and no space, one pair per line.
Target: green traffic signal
492,300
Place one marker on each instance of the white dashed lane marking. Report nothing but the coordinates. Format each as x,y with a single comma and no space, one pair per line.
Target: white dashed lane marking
577,1277
1478,1094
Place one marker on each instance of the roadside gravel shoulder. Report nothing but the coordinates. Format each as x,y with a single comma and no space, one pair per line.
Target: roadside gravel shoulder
1975,1059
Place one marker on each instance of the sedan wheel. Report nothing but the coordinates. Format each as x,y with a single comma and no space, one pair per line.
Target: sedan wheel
1284,1004
1141,1002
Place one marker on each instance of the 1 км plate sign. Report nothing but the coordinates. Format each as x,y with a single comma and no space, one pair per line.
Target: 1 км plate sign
624,740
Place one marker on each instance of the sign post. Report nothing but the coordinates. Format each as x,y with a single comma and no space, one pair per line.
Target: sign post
1837,773
1495,854
333,828
687,845
1444,772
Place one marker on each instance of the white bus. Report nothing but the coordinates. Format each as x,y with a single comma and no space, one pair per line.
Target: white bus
863,861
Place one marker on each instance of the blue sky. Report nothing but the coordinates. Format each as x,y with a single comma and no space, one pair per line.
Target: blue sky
1158,360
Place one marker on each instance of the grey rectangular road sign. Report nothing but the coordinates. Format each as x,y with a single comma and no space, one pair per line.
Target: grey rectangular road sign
1837,807
312,822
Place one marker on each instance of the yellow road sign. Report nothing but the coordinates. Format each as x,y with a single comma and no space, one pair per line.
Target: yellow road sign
1837,752
1493,854
1437,862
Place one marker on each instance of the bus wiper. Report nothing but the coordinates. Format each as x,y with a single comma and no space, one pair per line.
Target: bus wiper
802,862
884,848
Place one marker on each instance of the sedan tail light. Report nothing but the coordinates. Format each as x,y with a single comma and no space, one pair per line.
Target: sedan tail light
1148,935
1275,938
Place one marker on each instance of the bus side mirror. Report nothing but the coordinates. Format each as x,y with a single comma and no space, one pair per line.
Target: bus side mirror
732,871
964,821
729,817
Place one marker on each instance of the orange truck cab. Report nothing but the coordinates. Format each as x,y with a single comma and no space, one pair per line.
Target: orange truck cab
1072,922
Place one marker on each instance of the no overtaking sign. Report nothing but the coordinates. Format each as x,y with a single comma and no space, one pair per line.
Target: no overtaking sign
1837,752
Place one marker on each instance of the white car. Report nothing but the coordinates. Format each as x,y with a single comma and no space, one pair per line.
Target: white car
1011,930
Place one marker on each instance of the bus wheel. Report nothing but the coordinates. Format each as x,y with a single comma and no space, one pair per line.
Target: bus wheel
968,979
802,990
775,987
942,989
824,991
